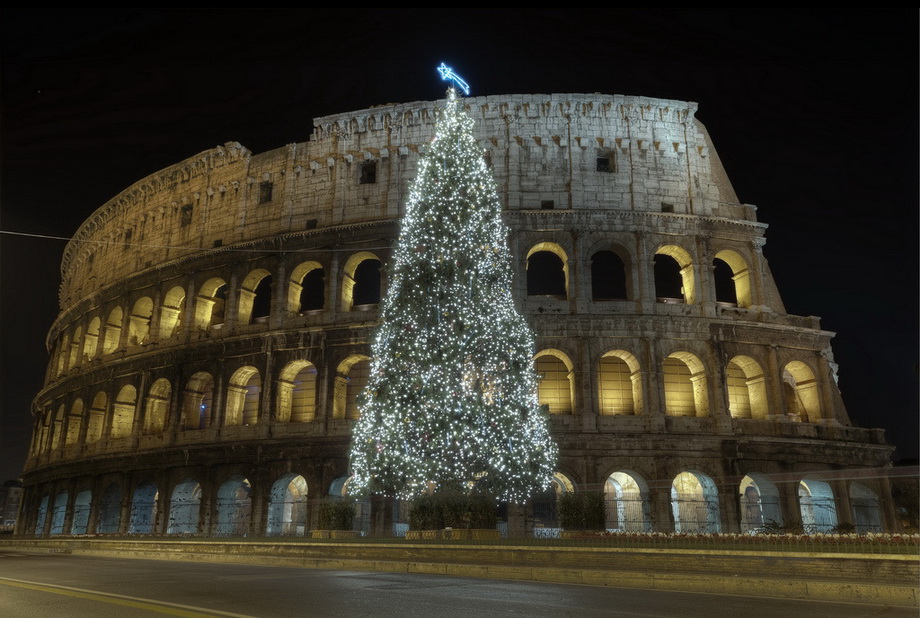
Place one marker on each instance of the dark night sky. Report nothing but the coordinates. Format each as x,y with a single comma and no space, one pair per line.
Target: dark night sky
814,114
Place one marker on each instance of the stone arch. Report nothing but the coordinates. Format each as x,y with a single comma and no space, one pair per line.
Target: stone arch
759,502
685,391
234,507
157,413
817,506
556,385
108,516
626,495
75,343
747,390
610,278
619,383
306,289
210,304
57,428
547,270
732,278
171,312
255,296
674,278
800,389
41,515
243,391
95,423
350,379
361,281
81,507
143,509
74,421
297,392
184,508
198,401
695,504
123,412
91,339
287,509
864,508
63,352
112,331
139,321
59,513
544,505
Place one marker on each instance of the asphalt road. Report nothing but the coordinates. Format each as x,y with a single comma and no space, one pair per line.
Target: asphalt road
33,585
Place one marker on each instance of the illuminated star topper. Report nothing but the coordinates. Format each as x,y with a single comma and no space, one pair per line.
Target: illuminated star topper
447,73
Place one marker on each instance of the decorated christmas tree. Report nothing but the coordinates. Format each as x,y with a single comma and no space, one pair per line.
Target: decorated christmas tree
451,401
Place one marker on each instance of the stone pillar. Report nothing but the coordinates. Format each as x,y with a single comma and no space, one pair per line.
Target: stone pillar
776,404
757,274
706,286
789,502
279,308
517,521
645,296
842,501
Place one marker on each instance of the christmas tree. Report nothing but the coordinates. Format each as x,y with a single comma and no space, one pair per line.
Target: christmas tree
452,396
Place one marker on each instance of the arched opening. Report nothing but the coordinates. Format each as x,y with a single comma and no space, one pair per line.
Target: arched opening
112,331
800,388
864,509
123,412
287,510
297,392
58,428
350,380
619,384
157,412
255,297
695,504
307,288
361,281
75,347
109,514
243,397
63,351
41,515
171,312
816,503
91,339
685,385
747,392
96,421
545,506
81,506
674,280
234,505
626,494
732,279
759,501
59,513
211,304
74,422
555,388
143,509
139,321
362,520
547,271
609,280
184,508
197,401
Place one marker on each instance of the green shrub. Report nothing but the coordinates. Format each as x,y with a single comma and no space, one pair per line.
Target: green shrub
452,509
585,510
335,514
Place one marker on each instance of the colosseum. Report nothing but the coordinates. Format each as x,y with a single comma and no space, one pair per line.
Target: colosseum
216,316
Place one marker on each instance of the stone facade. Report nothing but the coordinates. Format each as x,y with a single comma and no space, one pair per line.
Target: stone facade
216,315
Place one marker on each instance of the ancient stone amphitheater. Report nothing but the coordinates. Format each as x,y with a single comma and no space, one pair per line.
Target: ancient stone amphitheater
215,320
